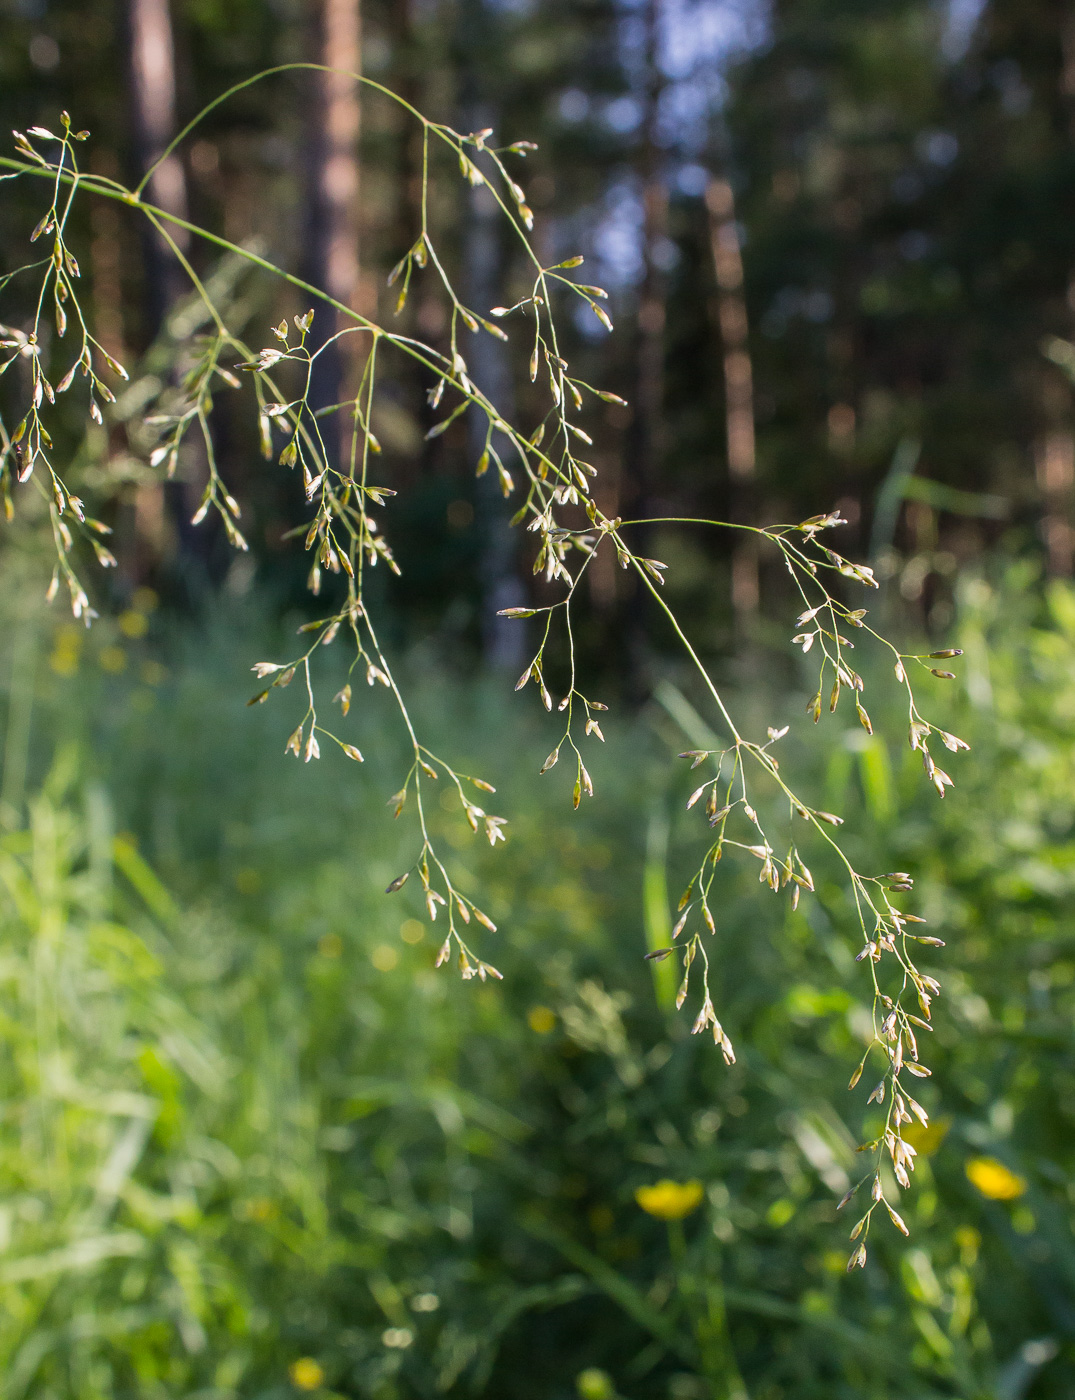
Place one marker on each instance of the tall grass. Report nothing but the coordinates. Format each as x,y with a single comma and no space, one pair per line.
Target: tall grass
251,1143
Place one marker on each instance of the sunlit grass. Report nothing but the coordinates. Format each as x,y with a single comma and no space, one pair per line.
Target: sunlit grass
253,1142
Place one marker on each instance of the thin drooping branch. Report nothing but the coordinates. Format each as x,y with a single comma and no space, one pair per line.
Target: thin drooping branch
345,539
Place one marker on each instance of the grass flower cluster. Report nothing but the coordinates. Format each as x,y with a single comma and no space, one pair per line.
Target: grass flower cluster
540,466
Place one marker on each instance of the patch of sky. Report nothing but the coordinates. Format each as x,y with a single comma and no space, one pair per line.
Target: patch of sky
695,42
706,33
622,114
691,180
960,21
617,235
698,39
938,148
573,106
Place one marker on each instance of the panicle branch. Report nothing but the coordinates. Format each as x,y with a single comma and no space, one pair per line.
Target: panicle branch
544,467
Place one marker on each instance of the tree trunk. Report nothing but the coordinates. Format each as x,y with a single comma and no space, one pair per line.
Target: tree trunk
153,100
643,447
1055,465
1056,478
338,173
162,510
738,395
647,400
332,260
504,641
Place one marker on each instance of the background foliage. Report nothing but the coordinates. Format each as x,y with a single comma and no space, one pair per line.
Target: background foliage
248,1126
250,1143
901,176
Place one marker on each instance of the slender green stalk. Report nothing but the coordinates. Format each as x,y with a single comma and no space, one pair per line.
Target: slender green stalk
344,537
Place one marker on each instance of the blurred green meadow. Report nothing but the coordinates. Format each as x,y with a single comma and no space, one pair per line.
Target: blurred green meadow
252,1143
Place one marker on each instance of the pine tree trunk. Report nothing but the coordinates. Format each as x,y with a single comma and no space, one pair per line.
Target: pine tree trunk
644,440
162,510
503,640
738,395
153,115
333,226
648,397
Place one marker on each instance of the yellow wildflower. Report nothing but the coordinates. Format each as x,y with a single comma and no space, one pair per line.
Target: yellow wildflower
994,1179
64,658
306,1374
541,1019
670,1200
133,624
593,1384
926,1140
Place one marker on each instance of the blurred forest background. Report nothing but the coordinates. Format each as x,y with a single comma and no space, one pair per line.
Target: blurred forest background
250,1144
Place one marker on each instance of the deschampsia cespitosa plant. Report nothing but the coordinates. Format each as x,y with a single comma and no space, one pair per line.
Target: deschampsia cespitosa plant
540,466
